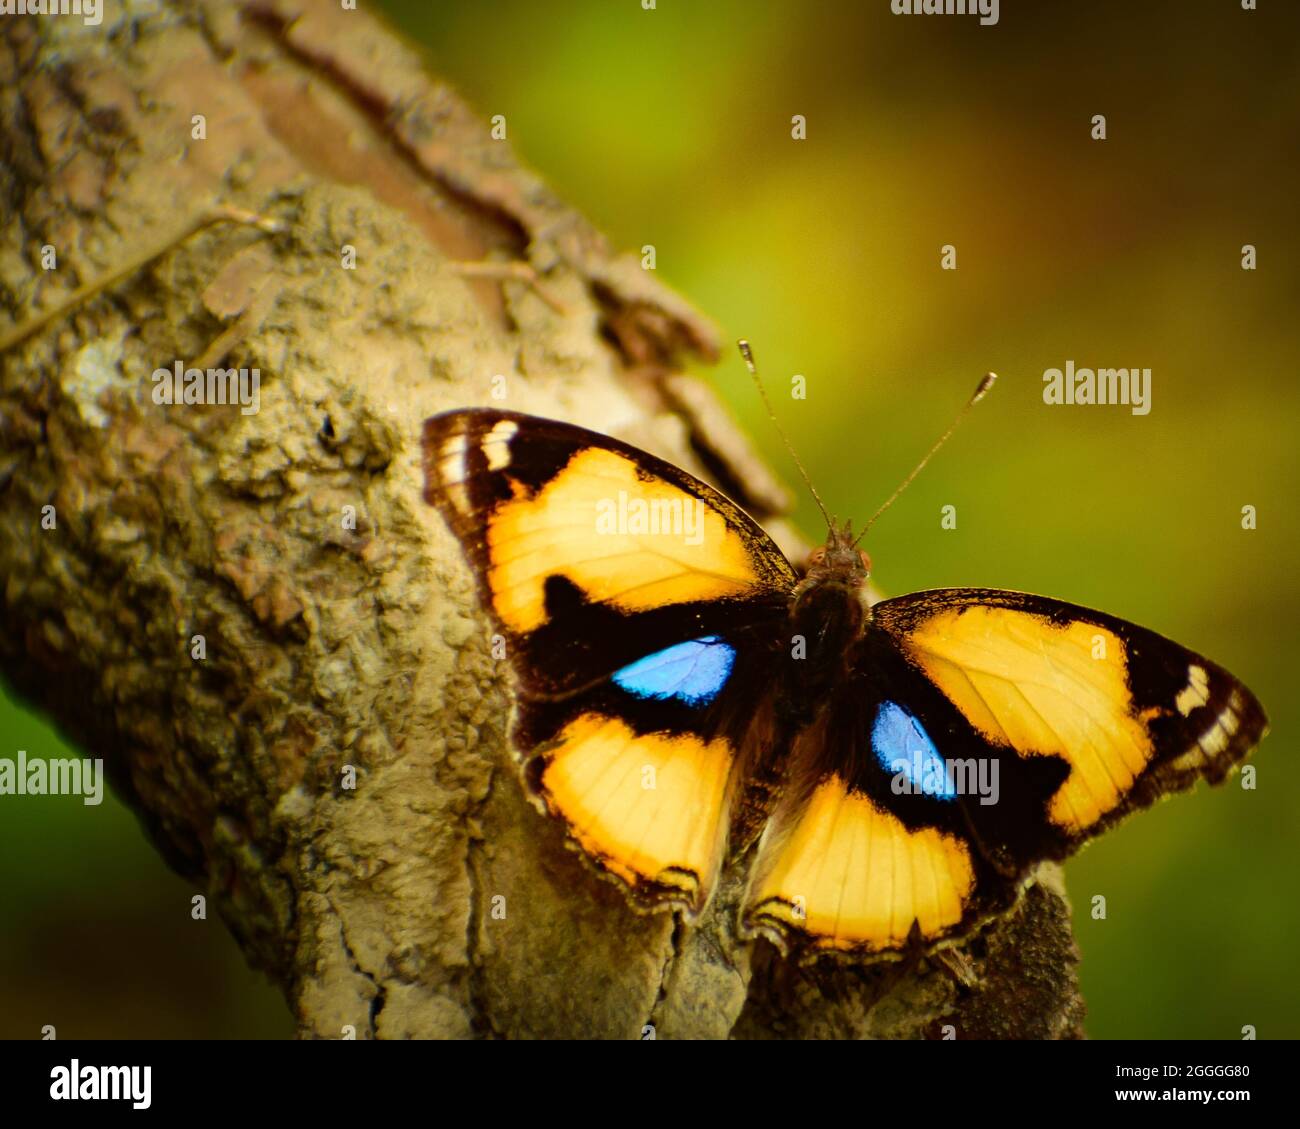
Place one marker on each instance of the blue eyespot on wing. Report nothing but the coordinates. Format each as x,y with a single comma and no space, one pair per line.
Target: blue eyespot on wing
903,747
693,672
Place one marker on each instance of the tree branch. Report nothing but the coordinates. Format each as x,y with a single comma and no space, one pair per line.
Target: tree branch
338,625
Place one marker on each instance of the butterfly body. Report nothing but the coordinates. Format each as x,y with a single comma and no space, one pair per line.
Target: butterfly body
828,608
696,713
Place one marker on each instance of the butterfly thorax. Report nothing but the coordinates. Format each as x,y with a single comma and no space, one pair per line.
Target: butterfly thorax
828,613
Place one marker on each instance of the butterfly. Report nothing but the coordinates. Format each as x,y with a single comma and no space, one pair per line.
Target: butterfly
886,776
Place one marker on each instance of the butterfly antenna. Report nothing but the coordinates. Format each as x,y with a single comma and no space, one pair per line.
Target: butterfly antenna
976,397
748,354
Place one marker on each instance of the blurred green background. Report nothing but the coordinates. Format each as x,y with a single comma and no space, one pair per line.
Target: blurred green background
672,127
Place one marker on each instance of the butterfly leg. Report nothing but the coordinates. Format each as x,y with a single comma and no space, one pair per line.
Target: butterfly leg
957,965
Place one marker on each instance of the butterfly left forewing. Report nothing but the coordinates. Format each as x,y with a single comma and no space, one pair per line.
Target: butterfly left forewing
589,553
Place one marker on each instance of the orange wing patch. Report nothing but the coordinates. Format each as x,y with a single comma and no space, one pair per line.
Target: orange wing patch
650,808
1042,689
628,540
851,877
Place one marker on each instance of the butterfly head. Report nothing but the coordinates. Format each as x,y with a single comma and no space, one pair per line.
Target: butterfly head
839,560
829,605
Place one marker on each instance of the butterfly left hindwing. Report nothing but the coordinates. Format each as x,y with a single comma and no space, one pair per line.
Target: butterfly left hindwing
643,768
574,537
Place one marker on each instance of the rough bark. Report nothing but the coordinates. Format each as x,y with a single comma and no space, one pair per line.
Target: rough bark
329,646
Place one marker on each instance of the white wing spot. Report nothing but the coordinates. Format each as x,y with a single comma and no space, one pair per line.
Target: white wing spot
1196,692
1225,725
496,446
451,460
453,470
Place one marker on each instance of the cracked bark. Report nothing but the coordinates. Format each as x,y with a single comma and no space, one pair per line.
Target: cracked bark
431,899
